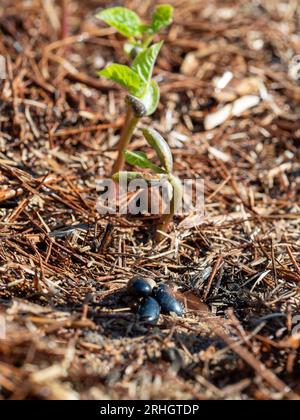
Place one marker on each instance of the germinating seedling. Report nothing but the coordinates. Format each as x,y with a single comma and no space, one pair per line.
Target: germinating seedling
164,171
143,91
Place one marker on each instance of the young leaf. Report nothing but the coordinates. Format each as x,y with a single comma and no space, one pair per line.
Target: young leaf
124,20
151,97
162,17
140,159
161,147
144,63
125,77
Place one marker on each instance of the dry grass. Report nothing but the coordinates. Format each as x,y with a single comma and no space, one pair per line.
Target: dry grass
71,332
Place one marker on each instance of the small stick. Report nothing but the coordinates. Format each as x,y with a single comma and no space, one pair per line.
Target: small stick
106,238
99,127
64,29
275,277
212,276
293,258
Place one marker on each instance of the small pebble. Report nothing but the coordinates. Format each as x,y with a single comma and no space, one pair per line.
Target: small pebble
141,287
169,304
149,310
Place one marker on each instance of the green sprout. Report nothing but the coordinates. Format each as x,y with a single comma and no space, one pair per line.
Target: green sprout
164,171
143,92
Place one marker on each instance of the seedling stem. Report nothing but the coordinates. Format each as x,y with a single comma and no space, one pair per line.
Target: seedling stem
131,122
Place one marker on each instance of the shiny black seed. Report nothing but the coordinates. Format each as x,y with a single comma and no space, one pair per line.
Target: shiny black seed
149,310
140,286
169,304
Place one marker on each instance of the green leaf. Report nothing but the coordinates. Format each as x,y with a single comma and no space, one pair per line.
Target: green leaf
125,77
151,97
162,17
161,147
144,63
140,159
124,20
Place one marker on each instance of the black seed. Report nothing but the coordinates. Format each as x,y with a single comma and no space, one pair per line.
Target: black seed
141,287
167,301
149,310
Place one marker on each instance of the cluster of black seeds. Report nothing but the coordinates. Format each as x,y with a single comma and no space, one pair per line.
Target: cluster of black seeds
155,299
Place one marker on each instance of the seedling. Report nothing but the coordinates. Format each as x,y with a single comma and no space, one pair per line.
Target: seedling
162,172
143,91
